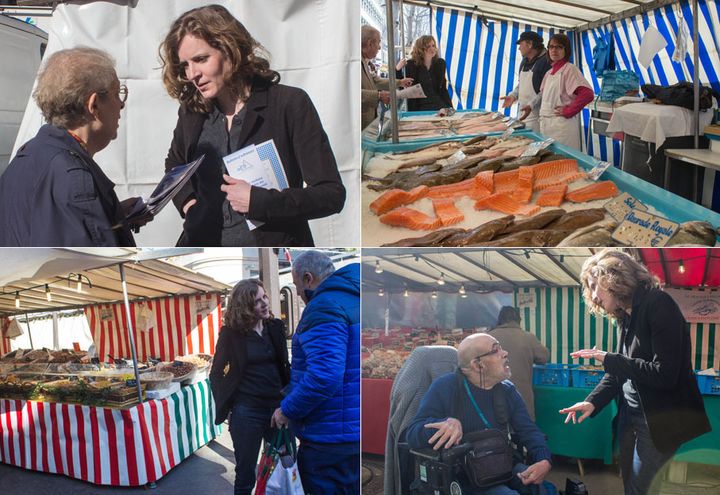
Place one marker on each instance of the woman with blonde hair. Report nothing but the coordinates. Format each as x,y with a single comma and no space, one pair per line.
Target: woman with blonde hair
230,99
53,193
249,370
427,69
650,373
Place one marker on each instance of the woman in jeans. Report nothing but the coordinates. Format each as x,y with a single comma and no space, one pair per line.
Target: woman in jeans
249,370
651,371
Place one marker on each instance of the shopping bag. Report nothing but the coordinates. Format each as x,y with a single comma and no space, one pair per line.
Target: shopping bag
268,461
285,478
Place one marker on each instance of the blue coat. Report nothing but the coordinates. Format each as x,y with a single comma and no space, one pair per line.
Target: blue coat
324,399
54,194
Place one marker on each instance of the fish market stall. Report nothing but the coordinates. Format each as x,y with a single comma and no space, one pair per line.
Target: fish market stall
406,308
140,406
484,192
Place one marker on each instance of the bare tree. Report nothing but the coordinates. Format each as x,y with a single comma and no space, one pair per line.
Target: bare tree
416,23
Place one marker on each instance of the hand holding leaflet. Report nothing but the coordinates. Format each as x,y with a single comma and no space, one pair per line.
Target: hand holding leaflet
258,165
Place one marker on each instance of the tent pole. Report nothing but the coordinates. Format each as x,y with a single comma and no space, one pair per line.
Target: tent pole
696,74
401,16
27,322
130,330
390,24
56,333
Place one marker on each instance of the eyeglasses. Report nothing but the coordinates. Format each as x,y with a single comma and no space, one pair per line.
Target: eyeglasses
556,47
495,349
122,93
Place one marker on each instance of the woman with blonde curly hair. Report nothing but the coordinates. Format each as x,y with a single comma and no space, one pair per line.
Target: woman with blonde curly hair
249,370
427,69
53,193
230,99
650,372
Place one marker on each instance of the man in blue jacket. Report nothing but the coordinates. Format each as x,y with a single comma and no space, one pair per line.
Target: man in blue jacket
452,405
323,404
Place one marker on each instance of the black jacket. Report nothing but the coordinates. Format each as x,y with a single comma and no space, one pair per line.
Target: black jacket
229,362
287,116
433,82
659,365
54,195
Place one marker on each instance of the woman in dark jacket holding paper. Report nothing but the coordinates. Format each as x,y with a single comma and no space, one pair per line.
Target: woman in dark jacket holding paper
427,69
249,370
650,374
230,99
53,193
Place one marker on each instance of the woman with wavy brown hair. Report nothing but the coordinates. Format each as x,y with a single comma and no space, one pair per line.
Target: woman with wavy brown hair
650,373
249,370
230,99
427,69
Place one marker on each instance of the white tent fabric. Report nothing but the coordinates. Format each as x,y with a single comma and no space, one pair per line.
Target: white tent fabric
314,45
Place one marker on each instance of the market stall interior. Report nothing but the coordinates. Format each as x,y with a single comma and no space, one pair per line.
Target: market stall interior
153,326
421,298
459,171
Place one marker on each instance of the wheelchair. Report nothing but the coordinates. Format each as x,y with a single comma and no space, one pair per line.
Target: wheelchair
441,472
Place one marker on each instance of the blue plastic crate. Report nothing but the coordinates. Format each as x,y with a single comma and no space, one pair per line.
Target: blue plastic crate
709,385
557,375
586,378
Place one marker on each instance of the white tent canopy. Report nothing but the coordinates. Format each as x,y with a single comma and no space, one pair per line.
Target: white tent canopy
26,273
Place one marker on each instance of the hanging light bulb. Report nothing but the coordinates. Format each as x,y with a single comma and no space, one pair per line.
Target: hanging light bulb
441,280
48,295
434,294
461,291
381,292
406,293
681,268
378,268
17,299
79,283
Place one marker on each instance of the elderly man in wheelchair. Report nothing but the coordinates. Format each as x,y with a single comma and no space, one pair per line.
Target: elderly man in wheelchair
461,434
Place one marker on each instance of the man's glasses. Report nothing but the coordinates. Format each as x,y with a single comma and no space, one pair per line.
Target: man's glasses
122,93
495,349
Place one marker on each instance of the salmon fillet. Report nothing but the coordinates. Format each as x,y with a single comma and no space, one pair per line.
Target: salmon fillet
393,198
599,190
462,188
552,195
505,203
556,172
505,181
524,190
410,219
485,179
447,212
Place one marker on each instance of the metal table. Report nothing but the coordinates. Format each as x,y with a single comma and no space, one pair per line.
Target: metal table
700,157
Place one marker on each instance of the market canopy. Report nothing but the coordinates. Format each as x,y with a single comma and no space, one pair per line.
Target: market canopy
559,13
484,270
28,274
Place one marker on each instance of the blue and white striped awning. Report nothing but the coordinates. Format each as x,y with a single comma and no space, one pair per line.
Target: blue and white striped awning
483,61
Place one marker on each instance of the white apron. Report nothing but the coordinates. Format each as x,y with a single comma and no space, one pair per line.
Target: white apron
526,93
562,130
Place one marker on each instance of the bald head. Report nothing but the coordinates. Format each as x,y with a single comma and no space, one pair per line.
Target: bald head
472,346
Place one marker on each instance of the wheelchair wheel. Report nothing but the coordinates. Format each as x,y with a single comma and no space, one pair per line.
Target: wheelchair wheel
455,488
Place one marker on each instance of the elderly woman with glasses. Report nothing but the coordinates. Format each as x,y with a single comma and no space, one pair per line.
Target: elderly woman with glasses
564,93
53,193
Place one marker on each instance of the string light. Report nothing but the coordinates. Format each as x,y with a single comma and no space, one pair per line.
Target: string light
17,299
48,294
461,291
381,292
378,268
681,268
406,293
434,294
72,278
441,280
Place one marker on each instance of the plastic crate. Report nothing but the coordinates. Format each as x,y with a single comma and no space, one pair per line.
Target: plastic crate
709,385
557,375
586,378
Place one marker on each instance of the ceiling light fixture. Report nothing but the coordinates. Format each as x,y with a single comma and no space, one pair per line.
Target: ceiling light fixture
378,268
406,293
434,294
461,291
48,294
381,292
681,267
17,299
441,280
